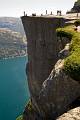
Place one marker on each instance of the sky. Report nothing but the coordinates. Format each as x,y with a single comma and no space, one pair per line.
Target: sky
16,8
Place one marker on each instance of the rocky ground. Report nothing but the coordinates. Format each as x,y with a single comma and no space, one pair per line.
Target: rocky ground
73,114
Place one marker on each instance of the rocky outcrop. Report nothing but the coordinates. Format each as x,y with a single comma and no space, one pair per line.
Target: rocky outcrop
57,93
42,49
73,114
51,93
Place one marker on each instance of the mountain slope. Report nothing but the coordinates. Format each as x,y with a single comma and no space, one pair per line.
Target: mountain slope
12,23
12,43
12,37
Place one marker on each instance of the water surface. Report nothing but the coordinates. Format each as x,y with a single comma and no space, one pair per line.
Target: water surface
14,92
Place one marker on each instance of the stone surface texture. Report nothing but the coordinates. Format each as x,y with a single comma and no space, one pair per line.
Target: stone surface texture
51,92
42,48
73,114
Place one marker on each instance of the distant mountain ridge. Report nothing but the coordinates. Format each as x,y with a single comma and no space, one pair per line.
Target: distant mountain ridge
12,23
12,37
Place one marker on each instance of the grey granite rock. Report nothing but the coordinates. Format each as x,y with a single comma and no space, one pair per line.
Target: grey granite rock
51,92
73,114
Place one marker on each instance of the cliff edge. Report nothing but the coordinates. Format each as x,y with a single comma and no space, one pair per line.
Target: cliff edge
51,92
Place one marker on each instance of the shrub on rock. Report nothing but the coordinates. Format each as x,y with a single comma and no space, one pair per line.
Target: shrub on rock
72,62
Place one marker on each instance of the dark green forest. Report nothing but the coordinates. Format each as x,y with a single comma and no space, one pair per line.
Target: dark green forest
75,8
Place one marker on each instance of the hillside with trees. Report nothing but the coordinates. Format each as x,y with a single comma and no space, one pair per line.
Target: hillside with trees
12,38
76,7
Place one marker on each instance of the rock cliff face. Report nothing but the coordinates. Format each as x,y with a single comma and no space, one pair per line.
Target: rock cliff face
42,49
51,92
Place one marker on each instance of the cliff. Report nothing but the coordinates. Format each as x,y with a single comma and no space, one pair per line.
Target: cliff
42,49
51,92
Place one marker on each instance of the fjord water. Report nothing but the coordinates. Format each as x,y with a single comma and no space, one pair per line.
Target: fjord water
14,92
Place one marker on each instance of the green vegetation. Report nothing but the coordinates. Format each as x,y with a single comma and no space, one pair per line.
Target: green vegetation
65,32
29,106
72,66
72,62
77,23
19,118
77,3
29,109
76,7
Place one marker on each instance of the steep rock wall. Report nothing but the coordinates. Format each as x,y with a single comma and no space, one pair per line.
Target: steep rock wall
51,94
42,49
